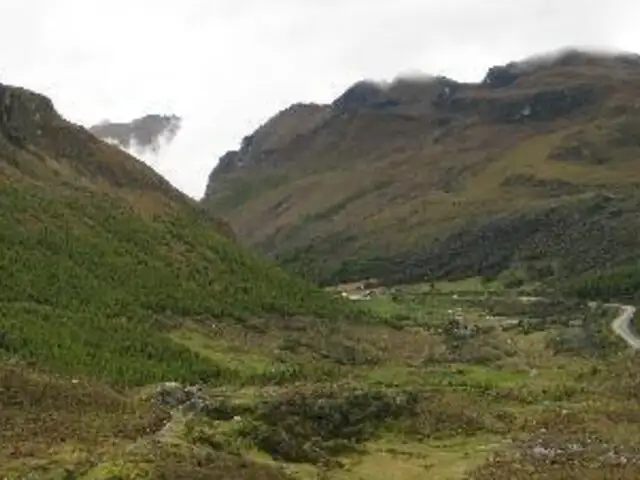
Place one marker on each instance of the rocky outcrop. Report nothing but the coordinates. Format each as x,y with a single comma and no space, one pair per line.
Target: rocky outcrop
363,94
533,106
500,76
24,115
173,395
292,123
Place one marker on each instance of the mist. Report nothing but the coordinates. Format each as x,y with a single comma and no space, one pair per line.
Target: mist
189,155
227,66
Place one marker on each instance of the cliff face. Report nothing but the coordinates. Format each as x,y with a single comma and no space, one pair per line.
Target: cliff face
261,146
389,178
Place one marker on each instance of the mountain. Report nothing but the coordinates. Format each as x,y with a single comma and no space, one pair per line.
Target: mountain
533,171
110,282
97,248
139,340
145,135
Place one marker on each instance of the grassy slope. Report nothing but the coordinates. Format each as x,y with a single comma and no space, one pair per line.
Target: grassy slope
102,262
103,278
370,401
384,193
96,246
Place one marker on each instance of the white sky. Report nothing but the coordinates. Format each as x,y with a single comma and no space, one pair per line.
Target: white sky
226,66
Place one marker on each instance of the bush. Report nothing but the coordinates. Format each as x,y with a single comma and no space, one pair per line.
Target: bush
622,284
82,275
313,426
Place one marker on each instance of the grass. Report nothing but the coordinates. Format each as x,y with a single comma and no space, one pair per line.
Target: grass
446,460
422,405
111,283
120,351
102,261
50,423
415,306
98,278
240,360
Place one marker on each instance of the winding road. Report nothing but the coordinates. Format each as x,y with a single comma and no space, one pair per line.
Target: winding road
622,325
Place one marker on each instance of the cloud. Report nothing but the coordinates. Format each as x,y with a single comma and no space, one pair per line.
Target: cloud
225,66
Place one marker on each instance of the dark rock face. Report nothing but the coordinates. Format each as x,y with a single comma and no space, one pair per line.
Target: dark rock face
228,161
402,96
287,126
359,96
145,133
539,106
499,77
175,395
547,105
23,114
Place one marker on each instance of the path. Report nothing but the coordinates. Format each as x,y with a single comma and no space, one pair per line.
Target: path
622,325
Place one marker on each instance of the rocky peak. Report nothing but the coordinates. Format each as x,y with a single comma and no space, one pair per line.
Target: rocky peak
363,94
289,124
501,76
31,130
404,95
23,114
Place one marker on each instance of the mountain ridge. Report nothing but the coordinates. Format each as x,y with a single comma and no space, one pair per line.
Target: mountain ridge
399,168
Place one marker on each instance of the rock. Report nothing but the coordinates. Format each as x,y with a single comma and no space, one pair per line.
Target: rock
361,95
541,452
500,76
178,397
170,394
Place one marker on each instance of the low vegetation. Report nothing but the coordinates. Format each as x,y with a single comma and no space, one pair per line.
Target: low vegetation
84,285
102,262
621,284
138,340
460,386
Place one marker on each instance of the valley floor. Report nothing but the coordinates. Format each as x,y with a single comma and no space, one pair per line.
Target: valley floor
445,381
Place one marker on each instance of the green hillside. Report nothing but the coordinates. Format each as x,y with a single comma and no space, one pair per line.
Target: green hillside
100,255
139,340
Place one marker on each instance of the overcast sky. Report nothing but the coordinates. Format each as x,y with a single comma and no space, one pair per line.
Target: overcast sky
225,66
